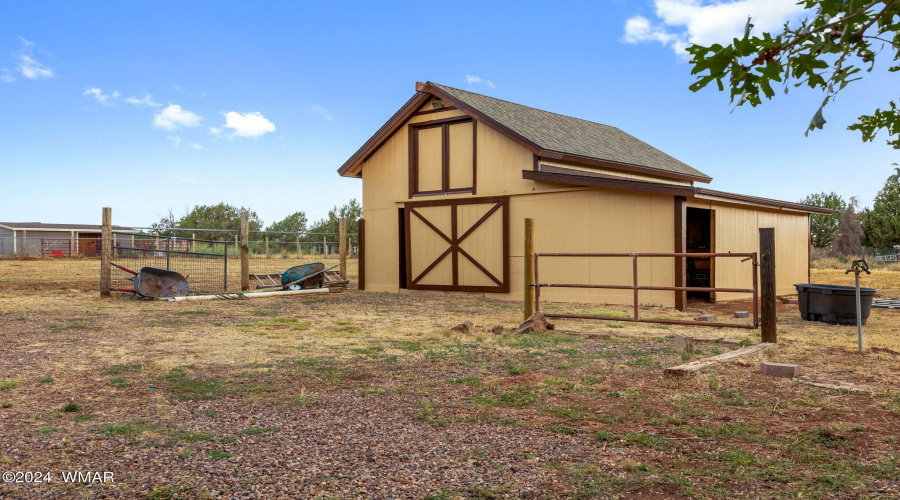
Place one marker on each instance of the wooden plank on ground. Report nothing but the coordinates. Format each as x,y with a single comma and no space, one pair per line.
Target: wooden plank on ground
694,366
837,385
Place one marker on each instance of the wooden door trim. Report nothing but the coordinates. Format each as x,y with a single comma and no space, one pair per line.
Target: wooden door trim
455,241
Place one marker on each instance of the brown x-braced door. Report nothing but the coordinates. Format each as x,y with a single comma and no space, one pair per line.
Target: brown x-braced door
458,245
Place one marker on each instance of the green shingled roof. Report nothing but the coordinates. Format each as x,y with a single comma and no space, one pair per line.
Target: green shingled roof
573,136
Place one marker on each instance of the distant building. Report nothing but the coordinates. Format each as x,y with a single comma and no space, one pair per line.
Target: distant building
39,239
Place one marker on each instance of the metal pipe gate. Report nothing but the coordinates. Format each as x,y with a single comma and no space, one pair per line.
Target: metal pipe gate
634,256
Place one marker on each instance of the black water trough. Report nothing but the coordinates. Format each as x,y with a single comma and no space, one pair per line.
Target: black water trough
833,303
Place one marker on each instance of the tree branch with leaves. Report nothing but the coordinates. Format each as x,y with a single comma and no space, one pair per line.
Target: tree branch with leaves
825,51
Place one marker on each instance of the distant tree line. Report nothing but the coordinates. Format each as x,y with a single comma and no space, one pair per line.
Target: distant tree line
215,218
847,231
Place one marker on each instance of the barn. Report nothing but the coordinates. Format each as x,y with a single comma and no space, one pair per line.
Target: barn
450,178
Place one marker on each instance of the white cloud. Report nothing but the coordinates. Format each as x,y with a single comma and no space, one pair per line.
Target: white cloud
252,124
32,69
99,96
217,131
27,64
176,141
196,146
686,22
147,100
472,79
322,111
173,117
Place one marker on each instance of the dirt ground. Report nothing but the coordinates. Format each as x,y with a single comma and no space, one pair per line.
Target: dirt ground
369,395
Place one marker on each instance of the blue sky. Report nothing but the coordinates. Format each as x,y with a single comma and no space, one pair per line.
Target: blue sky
150,106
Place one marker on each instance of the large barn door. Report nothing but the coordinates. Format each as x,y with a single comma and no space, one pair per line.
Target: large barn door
458,245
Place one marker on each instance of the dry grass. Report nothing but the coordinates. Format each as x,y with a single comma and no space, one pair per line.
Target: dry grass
586,406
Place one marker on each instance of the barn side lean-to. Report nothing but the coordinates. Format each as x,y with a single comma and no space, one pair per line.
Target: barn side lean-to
450,178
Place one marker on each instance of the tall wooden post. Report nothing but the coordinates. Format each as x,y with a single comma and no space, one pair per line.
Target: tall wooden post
267,247
245,251
237,244
529,268
767,284
342,248
106,252
324,246
680,247
361,254
299,253
194,243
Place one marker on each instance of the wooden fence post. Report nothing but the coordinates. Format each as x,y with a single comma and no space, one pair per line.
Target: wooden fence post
106,253
361,254
194,242
267,247
324,246
342,247
299,252
529,267
681,247
245,251
768,330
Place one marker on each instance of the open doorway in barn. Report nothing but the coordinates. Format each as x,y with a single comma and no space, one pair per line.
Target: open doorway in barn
700,236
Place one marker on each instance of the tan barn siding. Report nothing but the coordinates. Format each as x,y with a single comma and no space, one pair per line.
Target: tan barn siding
737,230
597,221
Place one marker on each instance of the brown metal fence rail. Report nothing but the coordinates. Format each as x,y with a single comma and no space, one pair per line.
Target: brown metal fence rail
634,256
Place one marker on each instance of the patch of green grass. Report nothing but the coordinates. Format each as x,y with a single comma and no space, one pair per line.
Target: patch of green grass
514,369
545,339
121,382
468,380
46,380
255,431
485,401
228,440
563,429
192,389
733,398
174,373
130,428
163,493
822,437
373,391
190,437
70,407
368,351
47,430
216,454
747,431
614,325
302,326
410,346
5,385
120,369
263,388
81,418
271,322
518,398
570,412
641,439
605,436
